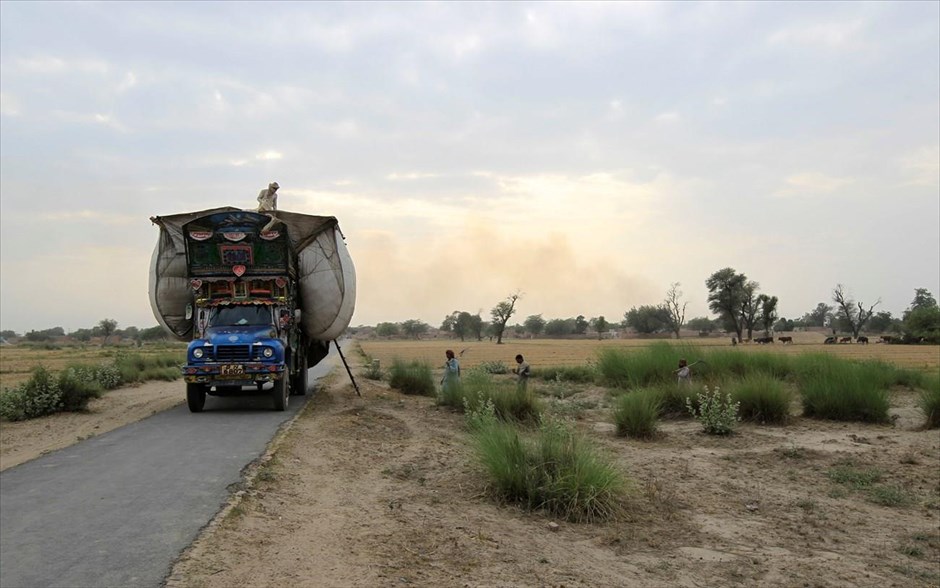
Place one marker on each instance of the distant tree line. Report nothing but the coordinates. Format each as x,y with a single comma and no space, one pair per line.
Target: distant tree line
105,329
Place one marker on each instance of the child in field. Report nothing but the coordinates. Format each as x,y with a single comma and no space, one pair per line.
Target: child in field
451,370
684,373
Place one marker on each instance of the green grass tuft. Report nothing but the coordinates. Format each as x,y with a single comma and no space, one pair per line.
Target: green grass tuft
763,399
413,377
636,413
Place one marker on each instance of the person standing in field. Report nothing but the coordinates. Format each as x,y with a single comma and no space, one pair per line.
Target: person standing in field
451,371
522,371
684,373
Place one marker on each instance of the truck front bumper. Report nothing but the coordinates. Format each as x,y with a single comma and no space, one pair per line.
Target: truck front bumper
230,373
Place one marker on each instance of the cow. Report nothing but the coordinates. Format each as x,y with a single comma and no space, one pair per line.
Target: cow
845,340
829,340
785,340
888,339
764,340
862,340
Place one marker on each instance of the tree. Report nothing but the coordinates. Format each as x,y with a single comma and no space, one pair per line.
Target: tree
784,325
501,313
448,324
534,324
600,325
414,328
853,318
8,334
883,322
85,335
750,307
106,328
386,329
702,324
821,316
477,326
676,313
560,327
580,325
156,333
726,295
647,319
922,318
768,312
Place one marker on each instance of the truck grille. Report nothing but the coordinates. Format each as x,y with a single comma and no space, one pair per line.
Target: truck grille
233,353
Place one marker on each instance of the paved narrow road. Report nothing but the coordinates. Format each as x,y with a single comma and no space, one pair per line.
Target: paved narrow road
117,510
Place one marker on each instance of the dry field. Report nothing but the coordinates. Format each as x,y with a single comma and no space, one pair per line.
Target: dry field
558,352
18,361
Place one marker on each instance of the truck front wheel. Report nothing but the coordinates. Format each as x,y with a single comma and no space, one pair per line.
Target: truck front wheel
280,393
195,396
298,383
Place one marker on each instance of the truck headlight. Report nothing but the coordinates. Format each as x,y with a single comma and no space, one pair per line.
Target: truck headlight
267,352
198,353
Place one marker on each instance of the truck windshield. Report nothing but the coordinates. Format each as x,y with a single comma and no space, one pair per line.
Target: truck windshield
241,315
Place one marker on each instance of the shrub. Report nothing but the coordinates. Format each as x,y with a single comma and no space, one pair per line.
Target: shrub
636,413
75,392
12,404
493,367
929,401
40,394
739,363
717,416
412,377
477,388
675,398
843,391
555,469
641,367
762,398
373,371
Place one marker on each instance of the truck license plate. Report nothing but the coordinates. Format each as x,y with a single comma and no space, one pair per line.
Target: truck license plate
233,370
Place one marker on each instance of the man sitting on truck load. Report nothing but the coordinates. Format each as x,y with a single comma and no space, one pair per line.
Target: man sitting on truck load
267,198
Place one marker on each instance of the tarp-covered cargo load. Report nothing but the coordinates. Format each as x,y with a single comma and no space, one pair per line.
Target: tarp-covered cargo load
316,257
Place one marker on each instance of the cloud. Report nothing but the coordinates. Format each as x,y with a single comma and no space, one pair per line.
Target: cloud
268,156
96,118
668,117
395,176
9,105
48,64
811,184
835,35
922,167
94,216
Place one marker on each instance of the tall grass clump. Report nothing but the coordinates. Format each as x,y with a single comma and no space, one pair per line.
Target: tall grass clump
642,367
477,388
725,363
552,468
929,401
836,389
413,377
762,398
134,367
636,413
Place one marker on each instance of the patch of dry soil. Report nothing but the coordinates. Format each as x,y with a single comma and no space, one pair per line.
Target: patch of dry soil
26,440
383,491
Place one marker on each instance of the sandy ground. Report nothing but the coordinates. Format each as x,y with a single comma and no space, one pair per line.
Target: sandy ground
26,440
383,491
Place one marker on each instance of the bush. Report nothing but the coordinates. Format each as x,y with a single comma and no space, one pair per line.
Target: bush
373,371
843,391
762,398
717,416
674,399
412,377
76,392
641,367
12,404
477,388
493,367
929,401
555,469
636,413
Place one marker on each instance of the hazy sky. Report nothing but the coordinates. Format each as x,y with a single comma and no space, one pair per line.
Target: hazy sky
587,155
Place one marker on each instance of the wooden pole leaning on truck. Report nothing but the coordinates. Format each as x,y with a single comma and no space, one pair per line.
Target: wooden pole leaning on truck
348,371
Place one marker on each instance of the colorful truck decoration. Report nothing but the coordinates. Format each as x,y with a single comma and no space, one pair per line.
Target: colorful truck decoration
259,297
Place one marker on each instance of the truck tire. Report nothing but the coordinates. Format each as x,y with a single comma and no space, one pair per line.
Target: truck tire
195,397
280,394
298,382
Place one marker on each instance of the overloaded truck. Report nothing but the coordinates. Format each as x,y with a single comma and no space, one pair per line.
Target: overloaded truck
258,296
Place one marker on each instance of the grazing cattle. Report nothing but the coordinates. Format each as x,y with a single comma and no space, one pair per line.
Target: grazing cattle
845,340
764,340
862,340
829,340
887,339
785,340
